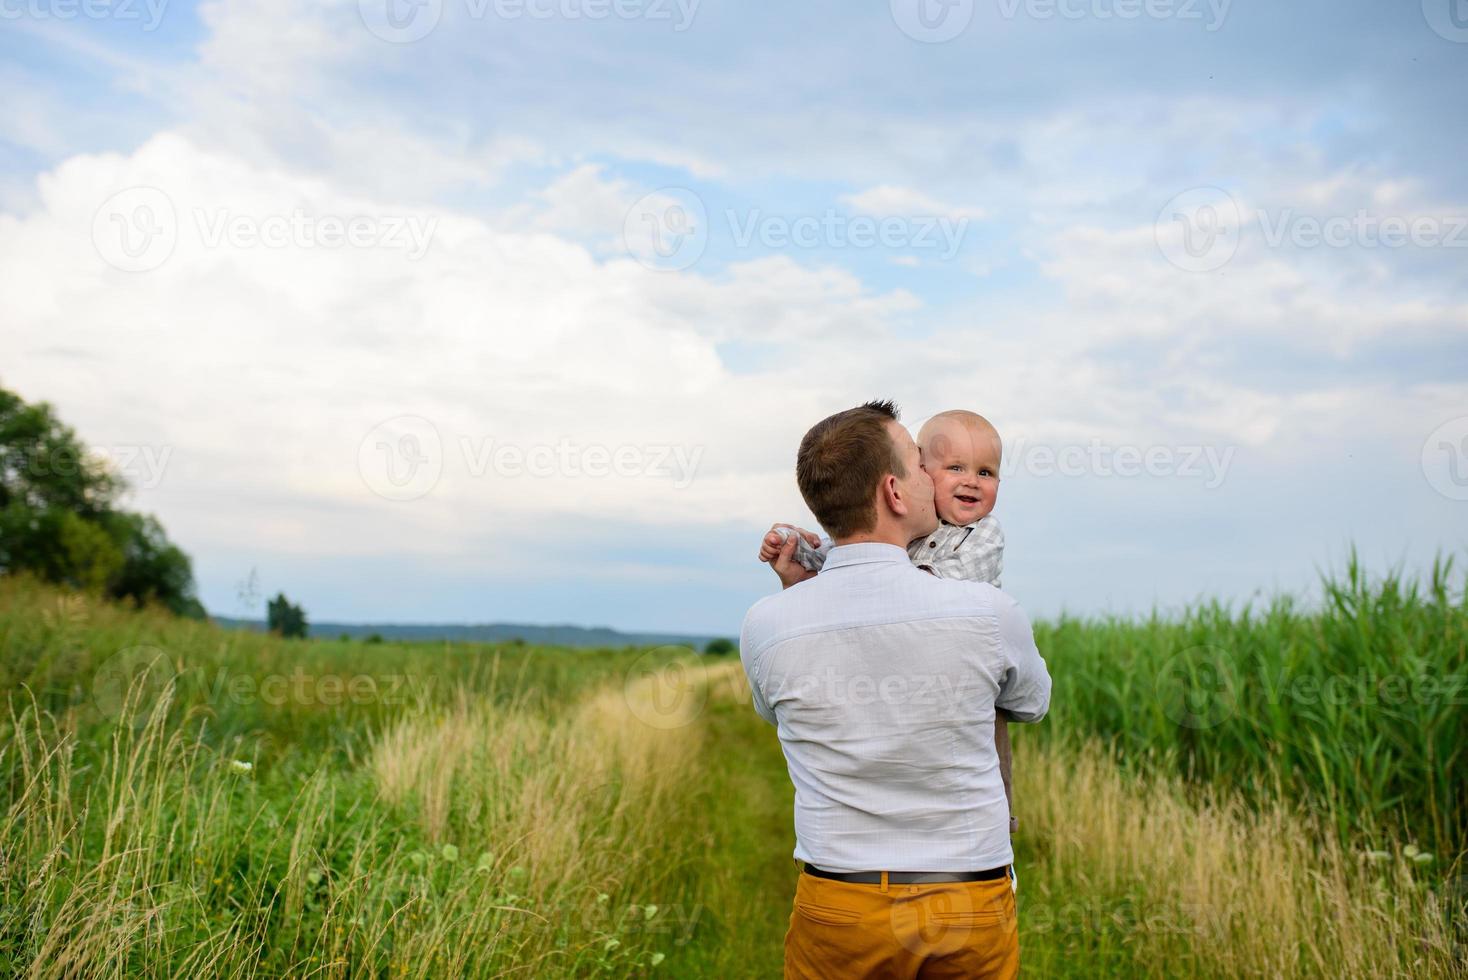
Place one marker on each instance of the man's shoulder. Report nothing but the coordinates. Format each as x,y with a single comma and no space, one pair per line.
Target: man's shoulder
769,613
764,608
962,590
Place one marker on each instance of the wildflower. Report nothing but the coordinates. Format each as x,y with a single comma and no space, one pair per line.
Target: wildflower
1410,850
449,852
1422,857
1376,857
603,898
648,911
611,944
240,765
658,958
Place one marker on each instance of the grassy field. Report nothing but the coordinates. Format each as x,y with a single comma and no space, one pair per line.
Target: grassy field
1206,799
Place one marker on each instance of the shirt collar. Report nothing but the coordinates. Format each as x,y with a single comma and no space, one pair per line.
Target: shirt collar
865,552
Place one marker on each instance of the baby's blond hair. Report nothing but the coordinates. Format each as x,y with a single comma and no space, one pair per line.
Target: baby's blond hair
972,421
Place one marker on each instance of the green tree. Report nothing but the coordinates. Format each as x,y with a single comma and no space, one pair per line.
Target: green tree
720,647
59,520
285,618
43,465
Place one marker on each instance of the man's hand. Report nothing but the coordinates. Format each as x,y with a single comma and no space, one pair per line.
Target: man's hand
770,546
781,555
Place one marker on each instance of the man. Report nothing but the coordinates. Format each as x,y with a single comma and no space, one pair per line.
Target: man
882,682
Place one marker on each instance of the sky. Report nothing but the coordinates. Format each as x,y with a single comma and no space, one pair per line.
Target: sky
516,310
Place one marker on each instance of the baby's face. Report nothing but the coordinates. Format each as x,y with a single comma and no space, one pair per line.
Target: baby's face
963,461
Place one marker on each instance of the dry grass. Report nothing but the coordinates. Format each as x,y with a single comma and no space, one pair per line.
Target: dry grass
588,800
1213,887
538,835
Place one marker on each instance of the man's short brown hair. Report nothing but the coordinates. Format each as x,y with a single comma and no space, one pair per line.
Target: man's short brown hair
841,461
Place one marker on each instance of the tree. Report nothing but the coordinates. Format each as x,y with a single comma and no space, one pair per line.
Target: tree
43,465
59,520
720,647
153,568
285,618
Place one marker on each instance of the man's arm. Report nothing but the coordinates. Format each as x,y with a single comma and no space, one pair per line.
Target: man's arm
1006,762
1024,689
747,649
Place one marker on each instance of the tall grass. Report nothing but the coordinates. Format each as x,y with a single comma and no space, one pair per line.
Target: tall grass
181,801
514,821
1146,877
1355,709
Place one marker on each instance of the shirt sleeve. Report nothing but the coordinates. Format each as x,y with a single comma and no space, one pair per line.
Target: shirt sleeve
747,641
1024,690
813,559
760,707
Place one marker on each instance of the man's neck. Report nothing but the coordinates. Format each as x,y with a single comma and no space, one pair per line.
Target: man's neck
888,535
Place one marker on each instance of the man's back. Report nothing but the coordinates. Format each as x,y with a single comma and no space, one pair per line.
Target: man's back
882,681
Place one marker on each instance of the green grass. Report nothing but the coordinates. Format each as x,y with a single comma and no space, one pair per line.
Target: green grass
744,881
1358,710
247,805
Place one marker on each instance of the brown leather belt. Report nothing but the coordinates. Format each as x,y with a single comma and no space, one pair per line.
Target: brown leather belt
908,877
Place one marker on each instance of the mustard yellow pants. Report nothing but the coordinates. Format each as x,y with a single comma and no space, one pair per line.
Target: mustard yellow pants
844,931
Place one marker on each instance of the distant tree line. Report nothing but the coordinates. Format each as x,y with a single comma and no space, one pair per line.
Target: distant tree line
59,517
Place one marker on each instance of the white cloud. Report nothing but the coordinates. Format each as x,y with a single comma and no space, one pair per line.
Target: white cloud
888,199
264,368
580,204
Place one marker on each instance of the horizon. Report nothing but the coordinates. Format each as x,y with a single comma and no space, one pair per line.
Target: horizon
1307,601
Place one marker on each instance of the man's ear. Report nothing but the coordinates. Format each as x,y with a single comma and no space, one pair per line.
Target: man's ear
892,496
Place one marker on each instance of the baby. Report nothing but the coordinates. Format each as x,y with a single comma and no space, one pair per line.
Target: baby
961,452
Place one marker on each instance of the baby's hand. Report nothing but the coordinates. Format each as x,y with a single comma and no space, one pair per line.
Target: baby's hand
774,540
789,570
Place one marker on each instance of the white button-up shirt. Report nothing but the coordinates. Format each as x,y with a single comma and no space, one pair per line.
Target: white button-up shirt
882,681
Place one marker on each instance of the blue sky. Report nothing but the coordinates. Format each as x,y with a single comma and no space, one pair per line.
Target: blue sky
1169,230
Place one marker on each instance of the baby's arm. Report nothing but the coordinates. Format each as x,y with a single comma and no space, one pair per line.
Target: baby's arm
794,554
811,557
